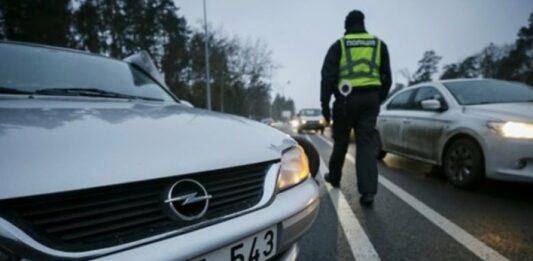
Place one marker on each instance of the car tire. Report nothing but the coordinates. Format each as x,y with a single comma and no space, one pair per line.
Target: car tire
463,163
322,131
312,154
300,131
380,153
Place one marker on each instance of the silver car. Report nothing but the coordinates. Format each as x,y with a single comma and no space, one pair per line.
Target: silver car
100,161
310,119
474,129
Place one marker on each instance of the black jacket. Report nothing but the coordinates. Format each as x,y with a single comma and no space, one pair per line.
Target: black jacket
330,73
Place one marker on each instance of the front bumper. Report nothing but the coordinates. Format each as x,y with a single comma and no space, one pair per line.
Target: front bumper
294,211
311,126
509,159
290,254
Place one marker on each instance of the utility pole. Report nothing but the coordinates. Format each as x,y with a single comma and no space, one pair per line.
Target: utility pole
207,76
222,93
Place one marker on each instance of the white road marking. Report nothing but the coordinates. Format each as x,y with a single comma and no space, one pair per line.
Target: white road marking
360,245
470,242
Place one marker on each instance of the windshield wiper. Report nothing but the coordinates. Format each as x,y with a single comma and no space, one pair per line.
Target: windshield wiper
81,92
7,90
92,92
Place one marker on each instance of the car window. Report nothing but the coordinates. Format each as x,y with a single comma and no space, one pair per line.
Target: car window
489,91
402,102
427,93
310,112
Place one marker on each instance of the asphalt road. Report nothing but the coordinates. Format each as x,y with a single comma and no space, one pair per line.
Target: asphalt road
417,215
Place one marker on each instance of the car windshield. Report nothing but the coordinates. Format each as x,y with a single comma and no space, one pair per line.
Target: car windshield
28,69
489,91
310,112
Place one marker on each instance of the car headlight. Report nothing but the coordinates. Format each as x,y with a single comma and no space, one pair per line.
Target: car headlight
517,130
304,121
294,168
321,121
294,123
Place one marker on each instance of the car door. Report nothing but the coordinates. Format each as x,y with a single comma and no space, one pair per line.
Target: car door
422,129
390,121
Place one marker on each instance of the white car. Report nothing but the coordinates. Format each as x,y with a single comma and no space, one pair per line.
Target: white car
310,119
474,129
100,161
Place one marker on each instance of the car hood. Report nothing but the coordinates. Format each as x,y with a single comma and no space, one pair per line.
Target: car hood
59,145
504,111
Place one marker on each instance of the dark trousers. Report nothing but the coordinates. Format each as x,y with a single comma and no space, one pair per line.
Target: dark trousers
358,111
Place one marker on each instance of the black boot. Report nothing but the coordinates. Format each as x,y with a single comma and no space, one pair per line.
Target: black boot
366,199
328,180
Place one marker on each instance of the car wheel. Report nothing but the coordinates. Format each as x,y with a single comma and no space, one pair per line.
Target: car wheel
311,152
380,153
463,163
300,131
322,131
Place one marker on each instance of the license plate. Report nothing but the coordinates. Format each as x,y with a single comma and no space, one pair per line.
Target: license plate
258,247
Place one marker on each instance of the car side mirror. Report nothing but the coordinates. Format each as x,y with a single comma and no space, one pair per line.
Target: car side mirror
187,103
143,61
431,105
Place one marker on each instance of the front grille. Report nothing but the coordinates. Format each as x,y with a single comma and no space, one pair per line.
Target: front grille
108,216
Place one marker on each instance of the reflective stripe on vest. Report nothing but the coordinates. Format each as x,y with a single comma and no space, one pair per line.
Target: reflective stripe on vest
360,60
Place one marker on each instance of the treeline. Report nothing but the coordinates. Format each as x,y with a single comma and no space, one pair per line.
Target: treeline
281,104
241,71
512,62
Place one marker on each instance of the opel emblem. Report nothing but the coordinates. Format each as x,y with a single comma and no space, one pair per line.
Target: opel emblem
188,199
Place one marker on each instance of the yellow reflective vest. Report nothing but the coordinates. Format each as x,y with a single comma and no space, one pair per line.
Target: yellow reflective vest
360,60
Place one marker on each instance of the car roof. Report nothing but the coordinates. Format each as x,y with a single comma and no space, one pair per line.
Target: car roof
453,80
50,47
467,80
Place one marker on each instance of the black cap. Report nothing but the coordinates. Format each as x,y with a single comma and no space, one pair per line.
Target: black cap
355,17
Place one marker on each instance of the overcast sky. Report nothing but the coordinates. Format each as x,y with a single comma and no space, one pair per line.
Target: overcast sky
299,32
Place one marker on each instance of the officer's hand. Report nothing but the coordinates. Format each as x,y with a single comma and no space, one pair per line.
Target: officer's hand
327,116
326,112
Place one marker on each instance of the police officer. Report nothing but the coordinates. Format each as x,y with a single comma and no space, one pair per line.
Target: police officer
357,72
